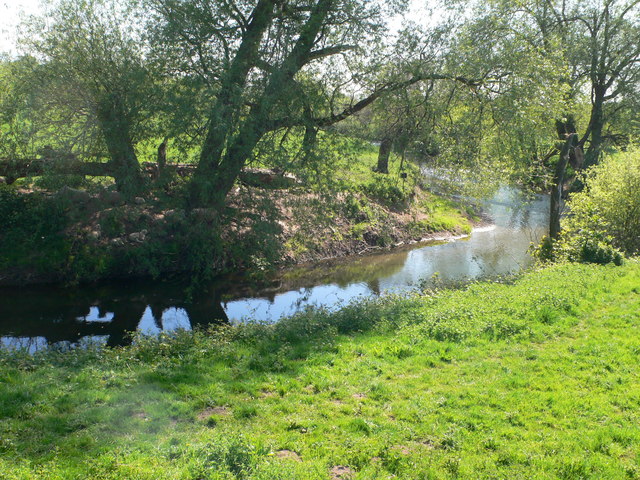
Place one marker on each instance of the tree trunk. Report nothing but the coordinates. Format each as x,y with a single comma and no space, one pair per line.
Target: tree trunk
223,116
558,185
383,155
596,126
116,130
162,156
240,146
309,143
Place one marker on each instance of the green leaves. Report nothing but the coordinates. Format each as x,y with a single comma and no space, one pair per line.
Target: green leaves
604,220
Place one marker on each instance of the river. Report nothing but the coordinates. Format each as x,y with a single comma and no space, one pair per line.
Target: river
36,318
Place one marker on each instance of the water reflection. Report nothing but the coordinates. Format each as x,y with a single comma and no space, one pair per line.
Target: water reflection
39,317
36,318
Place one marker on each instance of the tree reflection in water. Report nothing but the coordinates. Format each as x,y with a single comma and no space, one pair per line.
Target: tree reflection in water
43,317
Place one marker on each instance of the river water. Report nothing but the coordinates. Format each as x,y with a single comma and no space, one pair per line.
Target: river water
37,318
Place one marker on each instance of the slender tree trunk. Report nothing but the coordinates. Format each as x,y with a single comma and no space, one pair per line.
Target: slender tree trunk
558,185
383,155
116,130
162,156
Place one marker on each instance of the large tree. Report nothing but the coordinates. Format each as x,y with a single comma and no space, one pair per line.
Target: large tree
273,64
598,42
571,69
93,67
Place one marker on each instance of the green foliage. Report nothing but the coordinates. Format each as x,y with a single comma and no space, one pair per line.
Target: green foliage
603,224
609,206
32,233
19,122
54,183
385,190
584,246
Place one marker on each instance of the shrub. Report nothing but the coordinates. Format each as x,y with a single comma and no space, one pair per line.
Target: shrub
584,246
31,231
385,190
608,209
604,223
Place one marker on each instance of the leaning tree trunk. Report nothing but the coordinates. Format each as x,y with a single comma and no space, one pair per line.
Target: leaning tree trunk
241,145
116,130
223,117
383,155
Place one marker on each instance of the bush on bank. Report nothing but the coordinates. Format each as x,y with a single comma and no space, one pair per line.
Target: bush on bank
603,221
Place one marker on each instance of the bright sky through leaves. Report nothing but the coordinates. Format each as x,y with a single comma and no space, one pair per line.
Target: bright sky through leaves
12,11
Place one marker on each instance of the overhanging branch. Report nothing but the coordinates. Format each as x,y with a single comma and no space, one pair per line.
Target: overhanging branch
332,119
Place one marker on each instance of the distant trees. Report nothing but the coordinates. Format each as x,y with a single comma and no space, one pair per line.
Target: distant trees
402,120
17,106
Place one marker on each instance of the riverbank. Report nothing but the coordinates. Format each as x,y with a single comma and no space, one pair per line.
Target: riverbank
75,235
535,379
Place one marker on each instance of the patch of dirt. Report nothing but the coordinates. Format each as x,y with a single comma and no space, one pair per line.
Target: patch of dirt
315,229
288,455
211,411
340,472
402,449
428,444
359,396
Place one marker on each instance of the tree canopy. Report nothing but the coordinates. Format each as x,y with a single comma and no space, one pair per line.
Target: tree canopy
216,83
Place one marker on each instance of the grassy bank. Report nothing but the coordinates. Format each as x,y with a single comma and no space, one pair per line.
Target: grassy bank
537,379
53,233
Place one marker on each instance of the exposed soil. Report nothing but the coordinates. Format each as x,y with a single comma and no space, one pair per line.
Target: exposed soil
341,472
310,226
288,455
213,411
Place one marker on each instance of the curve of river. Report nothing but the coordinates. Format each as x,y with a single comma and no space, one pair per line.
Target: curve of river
36,318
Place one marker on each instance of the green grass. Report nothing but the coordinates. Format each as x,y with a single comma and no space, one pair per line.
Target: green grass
389,189
392,191
536,379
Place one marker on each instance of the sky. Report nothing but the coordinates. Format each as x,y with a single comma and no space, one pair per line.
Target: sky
12,11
